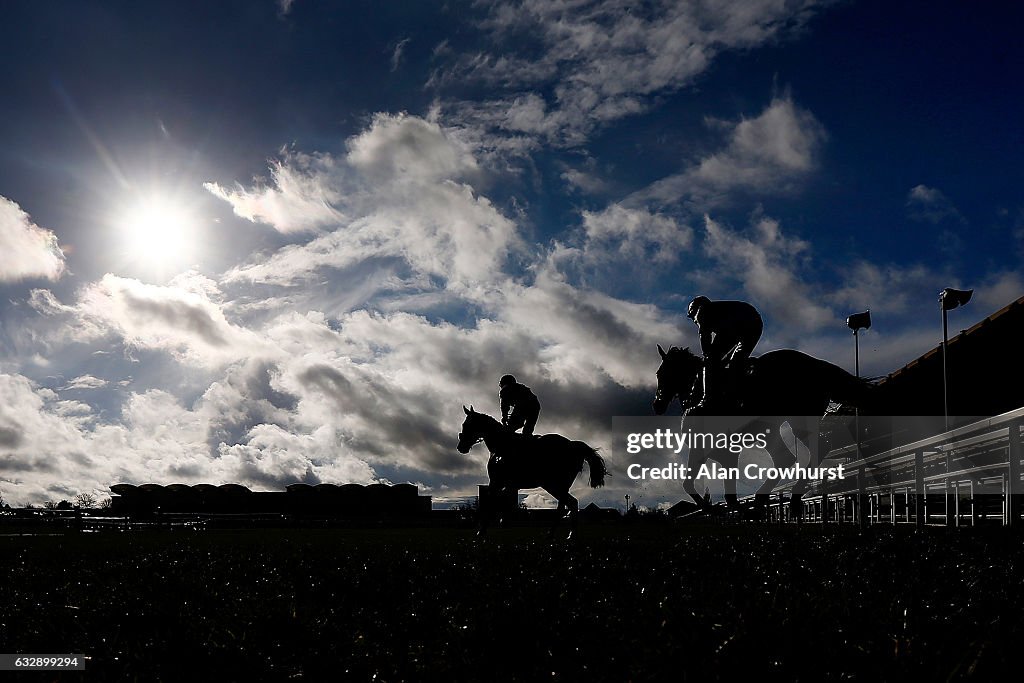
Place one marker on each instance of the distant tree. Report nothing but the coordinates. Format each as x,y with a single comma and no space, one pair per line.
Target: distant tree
468,509
50,505
65,505
106,503
85,501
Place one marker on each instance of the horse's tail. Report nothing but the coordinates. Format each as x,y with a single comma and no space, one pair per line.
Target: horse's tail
848,389
595,462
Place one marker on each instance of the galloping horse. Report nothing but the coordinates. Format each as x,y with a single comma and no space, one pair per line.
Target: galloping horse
550,462
788,385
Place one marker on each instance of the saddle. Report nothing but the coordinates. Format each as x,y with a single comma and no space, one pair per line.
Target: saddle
520,441
734,377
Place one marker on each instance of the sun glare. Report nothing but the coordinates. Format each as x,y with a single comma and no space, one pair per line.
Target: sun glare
156,232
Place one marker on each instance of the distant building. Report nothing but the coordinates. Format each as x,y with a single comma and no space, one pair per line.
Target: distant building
347,501
595,513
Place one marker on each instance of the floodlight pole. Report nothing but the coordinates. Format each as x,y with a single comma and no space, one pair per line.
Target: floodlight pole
949,298
945,380
856,322
856,353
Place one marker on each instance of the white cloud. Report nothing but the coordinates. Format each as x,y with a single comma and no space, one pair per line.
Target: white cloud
583,181
396,54
401,186
85,382
300,198
998,290
930,205
607,58
583,332
634,235
51,449
186,324
887,287
899,290
40,439
403,147
29,251
769,153
766,264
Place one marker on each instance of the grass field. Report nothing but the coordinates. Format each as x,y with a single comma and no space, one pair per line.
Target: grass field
616,603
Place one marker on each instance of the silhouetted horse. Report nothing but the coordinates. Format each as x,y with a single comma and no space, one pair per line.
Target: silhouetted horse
550,461
784,386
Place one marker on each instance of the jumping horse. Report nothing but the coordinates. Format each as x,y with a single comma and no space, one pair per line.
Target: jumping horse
784,386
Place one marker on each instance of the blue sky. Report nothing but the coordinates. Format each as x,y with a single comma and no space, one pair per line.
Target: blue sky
263,243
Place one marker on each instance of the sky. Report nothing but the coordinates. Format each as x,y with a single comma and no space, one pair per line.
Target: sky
269,242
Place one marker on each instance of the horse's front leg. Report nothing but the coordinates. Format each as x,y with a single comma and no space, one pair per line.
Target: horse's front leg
488,504
781,458
694,462
731,500
690,486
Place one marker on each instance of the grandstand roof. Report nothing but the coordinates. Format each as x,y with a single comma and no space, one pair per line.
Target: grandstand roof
985,369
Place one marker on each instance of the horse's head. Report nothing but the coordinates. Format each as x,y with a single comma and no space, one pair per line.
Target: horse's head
474,428
678,371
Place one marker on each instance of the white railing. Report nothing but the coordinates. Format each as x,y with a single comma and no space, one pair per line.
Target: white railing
981,460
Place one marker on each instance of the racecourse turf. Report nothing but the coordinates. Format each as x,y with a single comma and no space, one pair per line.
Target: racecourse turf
615,603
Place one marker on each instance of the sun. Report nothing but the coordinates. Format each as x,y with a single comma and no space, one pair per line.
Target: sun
156,231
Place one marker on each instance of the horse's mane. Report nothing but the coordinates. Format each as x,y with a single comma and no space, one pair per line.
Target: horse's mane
675,352
494,421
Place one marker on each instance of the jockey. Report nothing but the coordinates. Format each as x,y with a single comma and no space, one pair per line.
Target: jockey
728,330
519,405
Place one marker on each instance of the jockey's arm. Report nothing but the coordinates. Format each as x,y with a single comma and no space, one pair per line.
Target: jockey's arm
707,338
506,405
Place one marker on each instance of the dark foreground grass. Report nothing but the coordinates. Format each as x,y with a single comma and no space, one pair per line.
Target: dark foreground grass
616,603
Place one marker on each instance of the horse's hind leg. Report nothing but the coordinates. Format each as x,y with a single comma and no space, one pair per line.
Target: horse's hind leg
806,430
565,501
697,458
483,517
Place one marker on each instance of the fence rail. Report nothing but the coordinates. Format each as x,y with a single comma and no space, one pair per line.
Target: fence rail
968,475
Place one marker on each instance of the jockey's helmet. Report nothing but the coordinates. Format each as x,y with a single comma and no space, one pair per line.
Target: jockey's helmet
506,380
695,306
